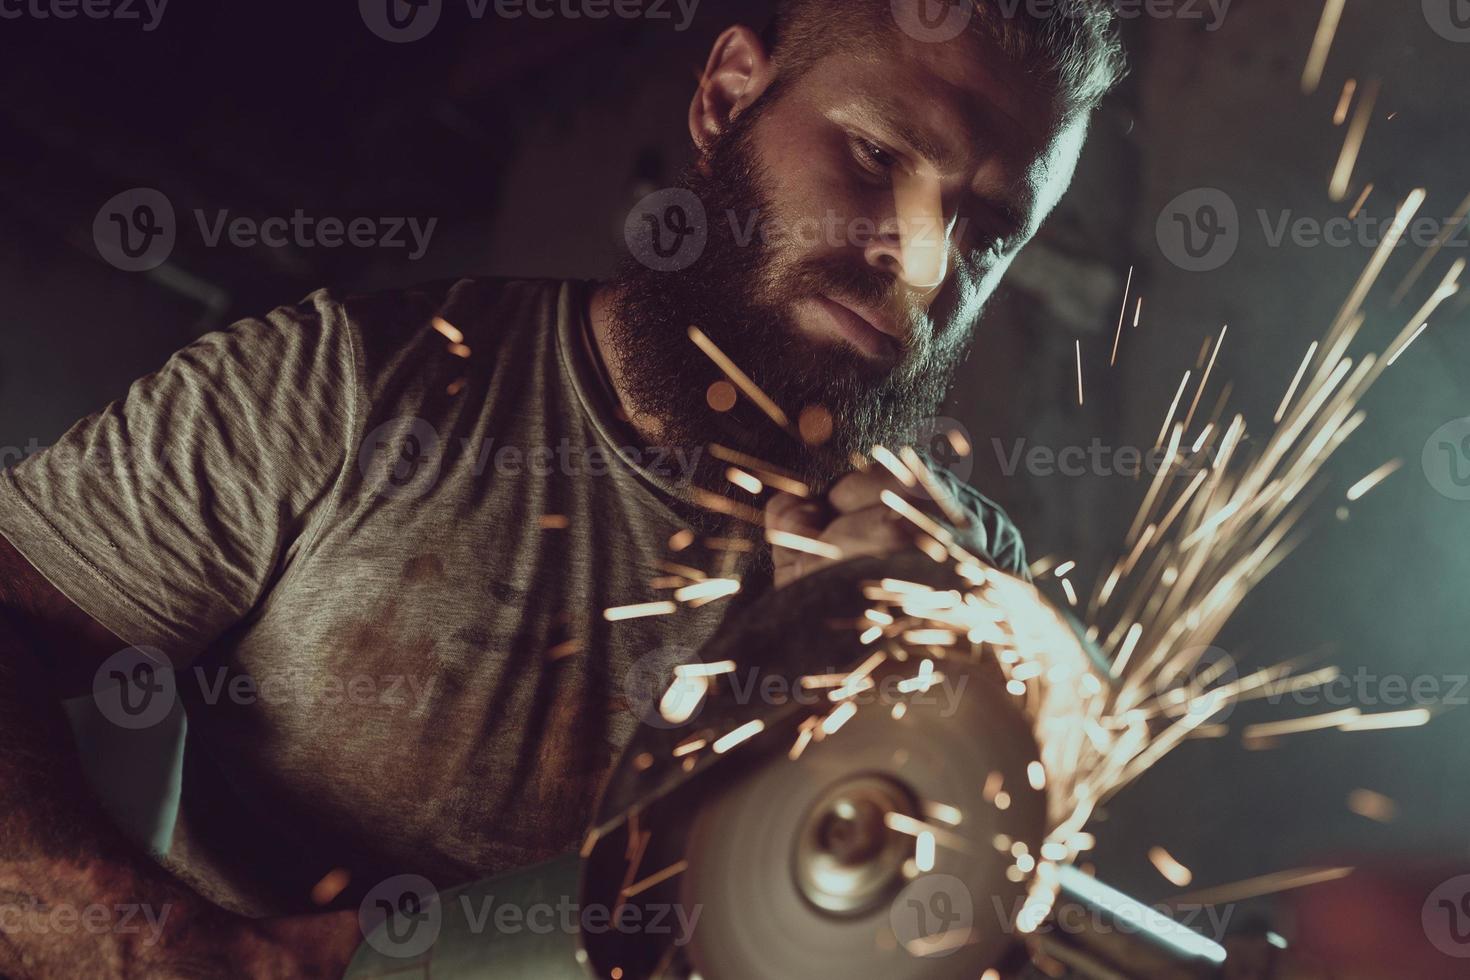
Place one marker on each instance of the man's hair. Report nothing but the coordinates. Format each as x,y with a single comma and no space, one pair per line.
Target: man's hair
1068,46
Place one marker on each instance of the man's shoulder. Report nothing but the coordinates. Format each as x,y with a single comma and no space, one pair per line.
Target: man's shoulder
476,307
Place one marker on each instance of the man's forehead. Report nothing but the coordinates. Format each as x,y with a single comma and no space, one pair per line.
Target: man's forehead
949,96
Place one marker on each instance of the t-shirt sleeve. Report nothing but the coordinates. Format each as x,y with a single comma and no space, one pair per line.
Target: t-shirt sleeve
166,516
1002,539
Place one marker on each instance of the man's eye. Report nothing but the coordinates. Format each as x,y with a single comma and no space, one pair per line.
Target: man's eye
871,155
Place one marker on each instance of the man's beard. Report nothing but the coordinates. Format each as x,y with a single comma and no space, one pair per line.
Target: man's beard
739,293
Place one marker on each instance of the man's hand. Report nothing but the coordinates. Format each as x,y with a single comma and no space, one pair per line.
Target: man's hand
851,520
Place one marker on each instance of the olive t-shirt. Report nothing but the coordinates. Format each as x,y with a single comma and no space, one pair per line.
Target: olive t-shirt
369,543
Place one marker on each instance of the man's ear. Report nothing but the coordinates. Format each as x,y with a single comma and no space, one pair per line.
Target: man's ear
738,71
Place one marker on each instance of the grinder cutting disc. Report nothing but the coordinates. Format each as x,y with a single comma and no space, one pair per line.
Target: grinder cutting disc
814,866
801,868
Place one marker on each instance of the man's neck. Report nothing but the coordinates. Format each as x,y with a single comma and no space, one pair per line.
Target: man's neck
599,315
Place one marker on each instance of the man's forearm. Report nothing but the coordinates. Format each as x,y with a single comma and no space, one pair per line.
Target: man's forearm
77,899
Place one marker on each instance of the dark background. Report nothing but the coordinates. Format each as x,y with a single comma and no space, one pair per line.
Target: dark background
530,139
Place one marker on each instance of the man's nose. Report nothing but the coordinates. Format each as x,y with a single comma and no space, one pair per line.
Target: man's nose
912,243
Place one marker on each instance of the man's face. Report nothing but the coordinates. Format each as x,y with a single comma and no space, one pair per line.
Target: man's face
859,218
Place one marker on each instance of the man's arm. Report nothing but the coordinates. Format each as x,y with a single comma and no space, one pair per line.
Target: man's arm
76,898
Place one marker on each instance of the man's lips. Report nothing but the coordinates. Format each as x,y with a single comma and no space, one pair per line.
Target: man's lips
873,335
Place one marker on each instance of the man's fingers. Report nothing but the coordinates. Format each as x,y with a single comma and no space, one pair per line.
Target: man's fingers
864,488
785,512
870,531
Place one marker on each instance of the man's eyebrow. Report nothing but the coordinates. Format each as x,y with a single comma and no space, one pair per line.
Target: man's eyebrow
889,117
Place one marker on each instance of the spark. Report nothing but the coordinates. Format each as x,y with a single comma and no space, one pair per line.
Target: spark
815,425
1339,116
681,539
1205,378
689,747
769,473
1451,228
744,480
733,738
658,877
916,516
885,458
958,442
800,542
838,717
1362,200
720,395
638,610
554,522
1078,344
739,378
1293,726
332,884
451,333
1036,775
1138,311
1410,718
1296,380
931,636
1321,46
1174,872
1405,345
937,491
714,669
924,851
1121,314
1174,405
1064,568
1372,806
944,813
1357,490
683,698
1342,176
564,649
1262,885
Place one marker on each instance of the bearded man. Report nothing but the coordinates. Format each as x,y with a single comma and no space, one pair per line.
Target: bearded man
369,544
